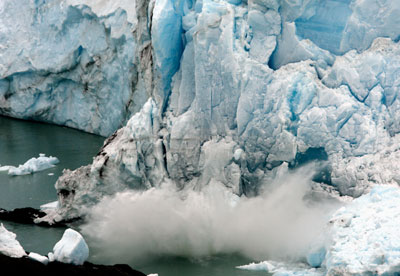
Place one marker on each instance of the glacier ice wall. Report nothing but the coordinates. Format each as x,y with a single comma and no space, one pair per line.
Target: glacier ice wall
66,65
239,90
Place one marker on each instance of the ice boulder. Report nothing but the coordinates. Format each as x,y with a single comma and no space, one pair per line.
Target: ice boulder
71,249
9,246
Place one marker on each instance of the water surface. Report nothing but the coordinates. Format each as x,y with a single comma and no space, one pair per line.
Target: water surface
22,140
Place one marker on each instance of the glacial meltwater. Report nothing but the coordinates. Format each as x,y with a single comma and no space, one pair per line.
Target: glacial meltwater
22,140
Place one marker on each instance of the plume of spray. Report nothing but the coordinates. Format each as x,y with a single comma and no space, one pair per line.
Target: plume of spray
133,226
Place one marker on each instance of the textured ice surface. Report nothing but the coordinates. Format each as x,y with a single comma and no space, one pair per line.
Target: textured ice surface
32,165
224,93
362,238
67,65
237,88
365,237
71,249
9,246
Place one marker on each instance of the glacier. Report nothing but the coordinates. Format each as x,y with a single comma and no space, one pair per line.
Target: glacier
226,92
202,93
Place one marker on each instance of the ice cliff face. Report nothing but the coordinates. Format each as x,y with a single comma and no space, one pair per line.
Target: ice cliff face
65,64
238,89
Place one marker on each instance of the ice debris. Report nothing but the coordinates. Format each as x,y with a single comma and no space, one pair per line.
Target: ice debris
71,249
9,246
365,235
282,268
37,257
362,239
32,165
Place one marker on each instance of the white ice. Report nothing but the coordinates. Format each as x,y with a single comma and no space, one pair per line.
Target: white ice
37,257
71,249
32,165
9,245
365,235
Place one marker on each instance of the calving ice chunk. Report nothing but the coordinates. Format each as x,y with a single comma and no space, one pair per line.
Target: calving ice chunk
32,165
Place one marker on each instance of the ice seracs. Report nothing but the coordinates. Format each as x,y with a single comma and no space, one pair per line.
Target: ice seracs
9,246
32,165
71,249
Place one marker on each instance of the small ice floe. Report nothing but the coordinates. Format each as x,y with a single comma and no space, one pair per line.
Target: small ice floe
281,268
39,258
9,245
32,165
71,249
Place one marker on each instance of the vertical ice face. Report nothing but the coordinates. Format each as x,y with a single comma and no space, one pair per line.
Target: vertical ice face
325,23
274,80
67,65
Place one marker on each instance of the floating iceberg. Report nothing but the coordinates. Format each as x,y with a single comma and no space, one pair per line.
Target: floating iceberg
71,249
32,165
9,246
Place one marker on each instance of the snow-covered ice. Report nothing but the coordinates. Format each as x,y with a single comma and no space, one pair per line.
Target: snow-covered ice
32,165
9,245
71,249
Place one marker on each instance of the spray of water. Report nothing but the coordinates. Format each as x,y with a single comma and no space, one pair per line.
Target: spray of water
134,226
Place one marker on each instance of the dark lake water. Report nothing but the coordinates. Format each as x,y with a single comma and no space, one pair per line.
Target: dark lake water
22,140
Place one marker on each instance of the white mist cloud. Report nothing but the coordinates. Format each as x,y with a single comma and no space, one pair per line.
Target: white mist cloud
132,226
